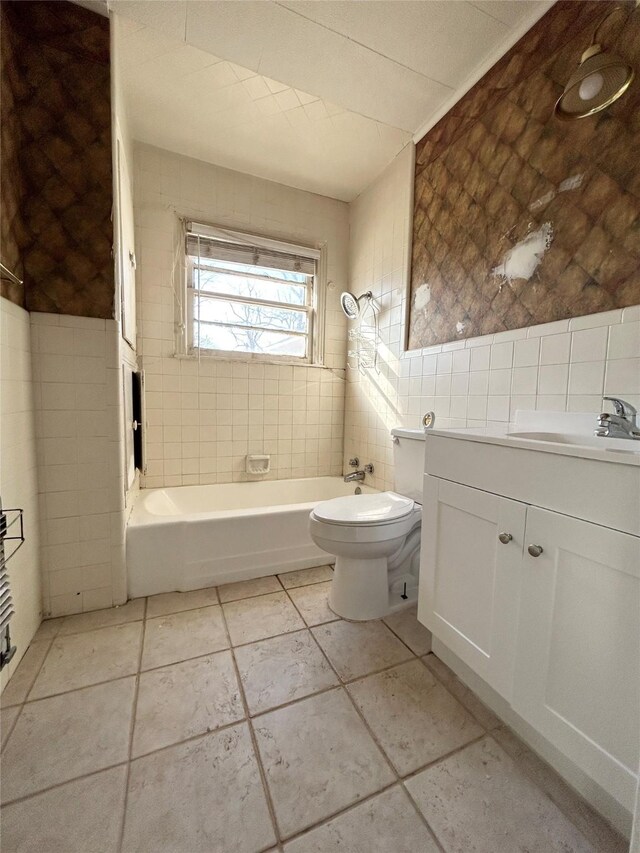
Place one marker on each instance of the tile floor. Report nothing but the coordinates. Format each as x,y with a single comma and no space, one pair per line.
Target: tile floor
250,718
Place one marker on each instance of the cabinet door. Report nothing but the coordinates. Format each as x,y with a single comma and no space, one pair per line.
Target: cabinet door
469,580
578,659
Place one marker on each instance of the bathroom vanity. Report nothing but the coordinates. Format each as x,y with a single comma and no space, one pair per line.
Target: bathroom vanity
530,581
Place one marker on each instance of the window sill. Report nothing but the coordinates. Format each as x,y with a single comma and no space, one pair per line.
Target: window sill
247,358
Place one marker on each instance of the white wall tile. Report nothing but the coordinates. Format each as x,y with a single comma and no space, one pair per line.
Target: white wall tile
590,344
587,378
553,378
80,449
229,395
624,341
18,473
555,349
527,353
622,377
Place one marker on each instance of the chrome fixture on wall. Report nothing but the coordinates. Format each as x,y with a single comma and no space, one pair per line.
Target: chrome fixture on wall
599,80
358,476
350,303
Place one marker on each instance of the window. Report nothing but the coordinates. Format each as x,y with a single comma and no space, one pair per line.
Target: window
250,295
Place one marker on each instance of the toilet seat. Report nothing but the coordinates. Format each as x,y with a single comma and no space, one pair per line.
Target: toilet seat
376,510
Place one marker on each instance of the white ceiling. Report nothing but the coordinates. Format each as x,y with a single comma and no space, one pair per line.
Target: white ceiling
356,78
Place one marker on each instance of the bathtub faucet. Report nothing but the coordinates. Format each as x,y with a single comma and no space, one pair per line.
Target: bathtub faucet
358,476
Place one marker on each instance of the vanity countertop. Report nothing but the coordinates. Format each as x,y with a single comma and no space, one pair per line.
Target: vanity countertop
563,433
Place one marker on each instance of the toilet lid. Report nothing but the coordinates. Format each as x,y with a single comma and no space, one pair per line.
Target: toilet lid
364,509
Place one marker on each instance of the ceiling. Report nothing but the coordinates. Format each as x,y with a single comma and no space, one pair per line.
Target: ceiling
316,94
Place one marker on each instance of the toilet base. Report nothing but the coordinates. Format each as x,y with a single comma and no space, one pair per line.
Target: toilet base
360,588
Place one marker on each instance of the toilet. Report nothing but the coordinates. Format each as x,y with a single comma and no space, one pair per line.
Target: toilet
375,538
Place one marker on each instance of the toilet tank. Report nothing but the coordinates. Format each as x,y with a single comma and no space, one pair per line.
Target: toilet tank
408,462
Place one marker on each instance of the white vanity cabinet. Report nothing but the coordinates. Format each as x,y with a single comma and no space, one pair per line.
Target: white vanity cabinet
525,588
577,673
470,576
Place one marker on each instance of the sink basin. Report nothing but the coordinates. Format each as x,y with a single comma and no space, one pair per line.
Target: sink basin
617,445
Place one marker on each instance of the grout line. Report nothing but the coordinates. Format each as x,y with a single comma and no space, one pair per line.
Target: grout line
444,757
62,784
98,628
81,687
132,725
254,742
375,740
39,670
12,727
20,705
325,820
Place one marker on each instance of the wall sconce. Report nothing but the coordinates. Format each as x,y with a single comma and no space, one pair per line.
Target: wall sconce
599,80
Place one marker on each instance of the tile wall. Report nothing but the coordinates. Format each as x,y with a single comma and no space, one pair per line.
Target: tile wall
18,469
564,366
510,170
77,376
57,107
204,416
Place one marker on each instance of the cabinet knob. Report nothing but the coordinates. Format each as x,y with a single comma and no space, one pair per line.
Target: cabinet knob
505,538
535,550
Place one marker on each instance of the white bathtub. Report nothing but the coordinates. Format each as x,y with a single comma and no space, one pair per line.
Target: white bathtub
195,536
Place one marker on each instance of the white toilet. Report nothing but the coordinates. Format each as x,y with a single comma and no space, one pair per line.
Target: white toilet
376,538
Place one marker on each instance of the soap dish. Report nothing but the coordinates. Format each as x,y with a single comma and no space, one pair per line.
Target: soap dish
258,464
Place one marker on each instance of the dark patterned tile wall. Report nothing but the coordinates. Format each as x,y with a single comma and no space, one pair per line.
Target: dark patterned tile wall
56,103
12,190
519,218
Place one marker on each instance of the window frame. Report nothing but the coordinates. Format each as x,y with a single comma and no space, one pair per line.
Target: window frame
314,307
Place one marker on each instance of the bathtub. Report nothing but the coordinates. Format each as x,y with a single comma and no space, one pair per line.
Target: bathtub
190,537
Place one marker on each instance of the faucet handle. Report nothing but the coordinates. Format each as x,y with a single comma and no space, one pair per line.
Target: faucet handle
622,408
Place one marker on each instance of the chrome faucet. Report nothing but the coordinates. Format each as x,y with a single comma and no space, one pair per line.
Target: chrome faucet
623,424
357,476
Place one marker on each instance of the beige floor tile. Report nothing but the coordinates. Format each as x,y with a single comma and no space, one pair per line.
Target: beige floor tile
594,827
185,699
176,602
132,611
413,717
22,679
319,758
60,738
199,797
84,816
302,577
478,801
180,636
463,694
258,618
358,648
49,629
405,624
312,602
248,589
282,669
88,658
7,719
387,823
